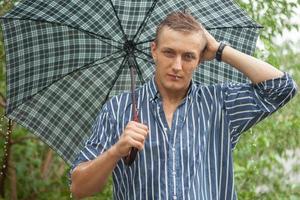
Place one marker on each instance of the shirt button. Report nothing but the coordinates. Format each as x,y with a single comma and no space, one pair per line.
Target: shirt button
174,173
173,149
174,197
165,129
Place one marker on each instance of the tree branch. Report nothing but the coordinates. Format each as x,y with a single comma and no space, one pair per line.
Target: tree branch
2,100
46,164
6,158
12,180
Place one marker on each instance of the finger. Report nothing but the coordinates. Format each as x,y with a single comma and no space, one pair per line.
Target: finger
136,128
137,144
140,125
141,131
137,136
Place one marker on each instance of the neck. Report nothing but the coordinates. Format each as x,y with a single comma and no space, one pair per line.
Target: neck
171,96
174,97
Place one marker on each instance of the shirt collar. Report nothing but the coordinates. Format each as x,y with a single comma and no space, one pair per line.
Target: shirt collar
154,93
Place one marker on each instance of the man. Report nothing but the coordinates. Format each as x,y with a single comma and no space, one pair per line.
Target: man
187,131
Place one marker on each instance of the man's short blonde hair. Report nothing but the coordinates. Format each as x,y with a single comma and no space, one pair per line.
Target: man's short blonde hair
179,21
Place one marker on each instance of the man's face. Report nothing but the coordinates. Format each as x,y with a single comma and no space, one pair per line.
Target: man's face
176,55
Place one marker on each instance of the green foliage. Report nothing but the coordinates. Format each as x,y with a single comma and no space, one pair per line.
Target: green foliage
275,17
261,152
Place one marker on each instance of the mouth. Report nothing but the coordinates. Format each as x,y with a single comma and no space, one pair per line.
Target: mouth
174,76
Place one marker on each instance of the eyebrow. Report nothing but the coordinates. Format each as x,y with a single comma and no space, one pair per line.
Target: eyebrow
170,49
167,48
189,53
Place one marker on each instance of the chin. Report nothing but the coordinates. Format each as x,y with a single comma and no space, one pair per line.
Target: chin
174,87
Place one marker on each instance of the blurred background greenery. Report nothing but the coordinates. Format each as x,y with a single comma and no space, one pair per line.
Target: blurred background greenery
266,160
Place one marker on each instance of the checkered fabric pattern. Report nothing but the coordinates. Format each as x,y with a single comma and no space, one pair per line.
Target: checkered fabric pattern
64,58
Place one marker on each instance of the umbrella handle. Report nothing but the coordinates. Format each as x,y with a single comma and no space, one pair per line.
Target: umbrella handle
131,156
133,151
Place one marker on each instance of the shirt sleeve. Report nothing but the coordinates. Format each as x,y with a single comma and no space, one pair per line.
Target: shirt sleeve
247,104
100,140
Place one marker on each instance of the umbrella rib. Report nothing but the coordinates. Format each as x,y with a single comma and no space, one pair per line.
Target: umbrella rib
99,38
60,24
147,16
86,66
145,59
144,53
144,48
81,68
145,41
116,78
119,21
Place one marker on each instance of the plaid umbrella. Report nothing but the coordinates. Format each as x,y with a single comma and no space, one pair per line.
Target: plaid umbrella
66,58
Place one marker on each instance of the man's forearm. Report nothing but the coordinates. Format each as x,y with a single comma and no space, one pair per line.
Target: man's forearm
90,177
255,69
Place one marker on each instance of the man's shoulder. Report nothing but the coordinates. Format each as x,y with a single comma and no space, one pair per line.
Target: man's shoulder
202,87
220,85
119,99
213,92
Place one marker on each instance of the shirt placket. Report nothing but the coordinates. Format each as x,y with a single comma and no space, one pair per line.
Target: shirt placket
176,129
171,138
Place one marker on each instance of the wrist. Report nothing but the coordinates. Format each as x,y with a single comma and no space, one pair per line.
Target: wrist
114,153
216,46
220,50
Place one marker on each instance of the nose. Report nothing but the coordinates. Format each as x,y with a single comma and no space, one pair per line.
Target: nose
177,65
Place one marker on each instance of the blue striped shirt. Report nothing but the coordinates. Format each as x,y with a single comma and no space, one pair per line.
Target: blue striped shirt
193,158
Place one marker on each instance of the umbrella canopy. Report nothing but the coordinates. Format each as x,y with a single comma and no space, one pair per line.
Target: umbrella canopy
65,58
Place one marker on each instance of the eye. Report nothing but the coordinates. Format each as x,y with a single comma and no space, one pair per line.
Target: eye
168,53
189,57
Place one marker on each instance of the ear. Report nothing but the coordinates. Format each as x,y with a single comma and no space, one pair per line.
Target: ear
153,50
202,55
200,58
